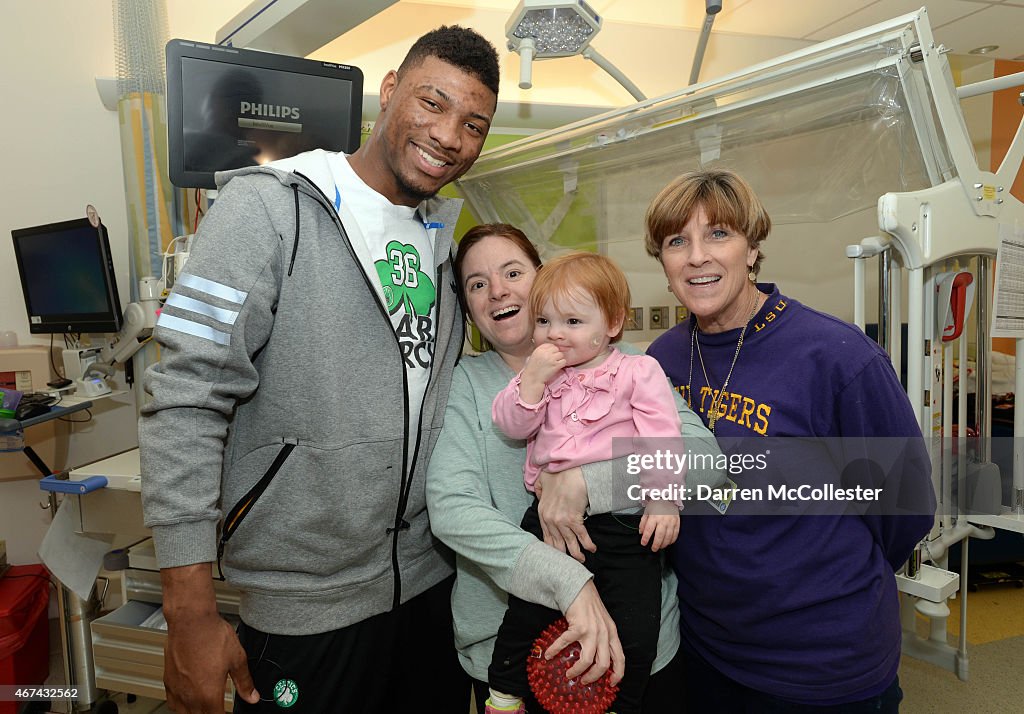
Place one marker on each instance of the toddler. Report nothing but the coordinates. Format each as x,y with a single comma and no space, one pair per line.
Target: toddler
575,394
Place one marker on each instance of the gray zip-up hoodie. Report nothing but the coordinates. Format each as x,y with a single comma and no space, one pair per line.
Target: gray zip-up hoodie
280,406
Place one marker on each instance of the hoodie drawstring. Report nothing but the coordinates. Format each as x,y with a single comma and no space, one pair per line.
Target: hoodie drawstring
295,241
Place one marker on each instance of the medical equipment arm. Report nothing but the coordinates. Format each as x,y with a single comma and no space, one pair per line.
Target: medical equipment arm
139,321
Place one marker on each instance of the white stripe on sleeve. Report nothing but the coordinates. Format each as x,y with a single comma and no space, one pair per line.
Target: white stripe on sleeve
224,292
177,324
219,314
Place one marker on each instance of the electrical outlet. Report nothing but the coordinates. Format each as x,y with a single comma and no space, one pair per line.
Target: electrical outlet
635,319
659,317
681,314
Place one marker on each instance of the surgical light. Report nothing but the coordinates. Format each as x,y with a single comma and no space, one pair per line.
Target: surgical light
558,29
543,29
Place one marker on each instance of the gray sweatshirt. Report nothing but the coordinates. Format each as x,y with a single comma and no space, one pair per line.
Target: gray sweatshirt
281,385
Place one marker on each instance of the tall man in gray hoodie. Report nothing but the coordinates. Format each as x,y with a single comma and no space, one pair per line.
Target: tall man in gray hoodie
307,353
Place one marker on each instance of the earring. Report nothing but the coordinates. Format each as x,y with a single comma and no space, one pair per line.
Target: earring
752,276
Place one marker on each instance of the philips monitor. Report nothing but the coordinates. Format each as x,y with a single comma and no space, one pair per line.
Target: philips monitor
228,108
67,277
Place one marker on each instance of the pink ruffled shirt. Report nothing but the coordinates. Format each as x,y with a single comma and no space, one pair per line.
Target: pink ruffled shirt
624,397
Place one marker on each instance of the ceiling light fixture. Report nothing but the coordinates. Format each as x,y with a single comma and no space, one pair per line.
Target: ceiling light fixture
543,29
983,50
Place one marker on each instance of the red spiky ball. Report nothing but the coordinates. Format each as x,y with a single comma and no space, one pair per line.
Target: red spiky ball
553,691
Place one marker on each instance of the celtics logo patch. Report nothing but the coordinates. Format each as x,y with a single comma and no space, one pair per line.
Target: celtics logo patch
404,283
286,693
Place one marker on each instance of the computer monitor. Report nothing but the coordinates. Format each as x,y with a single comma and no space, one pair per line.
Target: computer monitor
228,108
67,277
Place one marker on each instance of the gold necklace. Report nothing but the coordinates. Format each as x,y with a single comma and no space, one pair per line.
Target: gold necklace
719,399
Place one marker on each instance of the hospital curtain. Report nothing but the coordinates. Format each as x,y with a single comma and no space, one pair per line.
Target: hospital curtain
156,210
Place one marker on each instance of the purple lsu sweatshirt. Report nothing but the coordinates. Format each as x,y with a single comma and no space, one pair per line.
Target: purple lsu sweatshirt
802,607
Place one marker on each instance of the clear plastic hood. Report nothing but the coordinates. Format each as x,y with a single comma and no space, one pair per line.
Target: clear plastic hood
820,134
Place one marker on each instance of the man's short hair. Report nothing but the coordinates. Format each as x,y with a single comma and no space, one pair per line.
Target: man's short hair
461,47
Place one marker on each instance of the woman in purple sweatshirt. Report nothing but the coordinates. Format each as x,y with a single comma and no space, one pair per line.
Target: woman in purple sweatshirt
782,610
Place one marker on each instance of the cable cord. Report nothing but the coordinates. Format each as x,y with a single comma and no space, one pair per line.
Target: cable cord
47,578
53,365
69,420
199,212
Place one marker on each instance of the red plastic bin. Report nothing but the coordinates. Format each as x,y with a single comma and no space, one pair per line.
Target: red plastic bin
24,630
